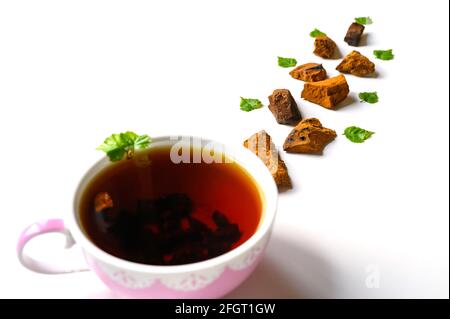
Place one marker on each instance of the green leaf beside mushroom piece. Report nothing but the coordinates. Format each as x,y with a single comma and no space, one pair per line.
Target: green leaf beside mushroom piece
357,134
383,54
248,105
287,62
369,97
317,33
364,20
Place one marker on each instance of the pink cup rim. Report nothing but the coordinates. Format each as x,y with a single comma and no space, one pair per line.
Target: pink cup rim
251,163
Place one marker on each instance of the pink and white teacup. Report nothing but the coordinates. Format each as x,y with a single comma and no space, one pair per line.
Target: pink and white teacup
212,278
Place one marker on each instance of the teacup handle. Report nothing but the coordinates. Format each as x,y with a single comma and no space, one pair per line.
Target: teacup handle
67,265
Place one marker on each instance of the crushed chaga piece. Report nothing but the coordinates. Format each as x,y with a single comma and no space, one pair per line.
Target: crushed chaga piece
356,64
309,72
324,47
102,201
220,219
225,231
174,206
354,34
283,107
261,144
171,235
327,93
309,136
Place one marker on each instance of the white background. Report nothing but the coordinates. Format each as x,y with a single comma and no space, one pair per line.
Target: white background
72,72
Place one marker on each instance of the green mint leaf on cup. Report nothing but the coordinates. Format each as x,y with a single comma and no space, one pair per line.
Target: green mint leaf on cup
116,154
248,105
119,145
364,20
357,134
383,54
316,33
286,62
369,97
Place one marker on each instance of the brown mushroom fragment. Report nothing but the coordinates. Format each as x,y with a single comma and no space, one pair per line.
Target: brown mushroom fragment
327,93
356,64
283,107
167,231
309,72
262,146
324,47
102,201
309,136
354,34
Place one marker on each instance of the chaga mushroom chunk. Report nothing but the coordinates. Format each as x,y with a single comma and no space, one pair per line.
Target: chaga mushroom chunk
324,47
283,107
262,146
309,136
102,201
309,72
354,34
356,64
328,93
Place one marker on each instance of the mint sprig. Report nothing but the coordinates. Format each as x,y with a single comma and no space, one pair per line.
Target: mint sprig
117,146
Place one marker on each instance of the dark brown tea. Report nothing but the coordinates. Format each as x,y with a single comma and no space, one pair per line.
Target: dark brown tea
156,212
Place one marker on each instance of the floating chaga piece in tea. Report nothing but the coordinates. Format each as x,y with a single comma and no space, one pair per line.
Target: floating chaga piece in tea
357,64
309,136
324,47
309,72
102,201
105,213
354,34
327,93
261,144
283,107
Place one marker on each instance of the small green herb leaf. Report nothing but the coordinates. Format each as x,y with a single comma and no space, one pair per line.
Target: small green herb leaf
383,54
357,134
369,97
286,62
316,33
248,105
364,20
128,138
116,154
117,146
